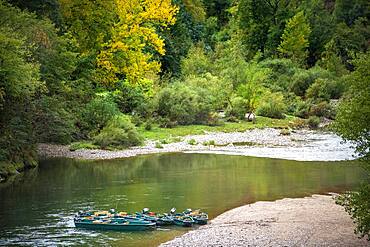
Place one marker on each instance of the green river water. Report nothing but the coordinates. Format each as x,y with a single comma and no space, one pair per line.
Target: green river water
39,209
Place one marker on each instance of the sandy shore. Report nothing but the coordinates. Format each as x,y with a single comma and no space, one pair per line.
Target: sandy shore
303,145
310,221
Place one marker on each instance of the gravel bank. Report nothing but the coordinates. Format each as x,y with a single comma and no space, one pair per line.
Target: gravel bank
310,221
303,145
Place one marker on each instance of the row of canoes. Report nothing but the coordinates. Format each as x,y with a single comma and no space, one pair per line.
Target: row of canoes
144,220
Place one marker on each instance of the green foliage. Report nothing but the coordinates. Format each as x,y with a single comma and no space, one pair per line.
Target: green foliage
295,39
357,204
118,133
352,123
325,89
183,105
322,109
158,145
218,89
192,142
237,107
98,112
197,62
280,73
262,24
303,79
353,115
272,105
313,122
55,123
82,145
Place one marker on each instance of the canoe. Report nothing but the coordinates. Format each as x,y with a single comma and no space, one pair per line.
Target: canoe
183,220
116,224
198,216
200,219
159,219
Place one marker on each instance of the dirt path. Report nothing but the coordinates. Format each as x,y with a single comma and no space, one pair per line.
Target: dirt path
310,221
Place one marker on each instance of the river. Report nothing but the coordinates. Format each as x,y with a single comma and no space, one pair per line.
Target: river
38,209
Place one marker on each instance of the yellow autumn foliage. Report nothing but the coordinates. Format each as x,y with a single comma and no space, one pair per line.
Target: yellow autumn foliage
135,40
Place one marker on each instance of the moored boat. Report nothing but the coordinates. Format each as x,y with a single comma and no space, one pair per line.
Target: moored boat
103,220
198,216
183,220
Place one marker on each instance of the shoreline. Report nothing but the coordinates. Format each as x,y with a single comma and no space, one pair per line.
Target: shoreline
308,221
300,145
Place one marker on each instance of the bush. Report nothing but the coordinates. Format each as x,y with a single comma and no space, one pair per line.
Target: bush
119,133
237,108
293,102
281,73
313,122
322,109
285,132
303,109
303,79
180,104
55,123
158,145
81,145
98,112
148,125
192,142
272,106
214,119
325,89
217,88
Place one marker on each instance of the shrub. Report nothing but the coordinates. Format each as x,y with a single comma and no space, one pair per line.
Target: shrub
300,82
281,72
303,79
183,105
209,143
217,88
313,122
272,106
322,109
303,109
325,89
54,122
98,112
148,125
214,119
81,145
237,108
131,97
285,132
298,123
158,145
293,103
192,142
119,132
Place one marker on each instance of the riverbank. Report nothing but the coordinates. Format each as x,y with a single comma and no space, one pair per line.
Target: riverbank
309,221
302,145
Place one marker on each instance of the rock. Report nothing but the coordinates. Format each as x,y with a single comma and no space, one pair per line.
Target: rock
249,116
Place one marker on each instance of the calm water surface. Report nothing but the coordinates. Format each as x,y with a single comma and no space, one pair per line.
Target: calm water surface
39,209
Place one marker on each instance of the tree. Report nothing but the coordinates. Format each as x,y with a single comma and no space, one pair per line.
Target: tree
352,123
19,84
295,39
262,23
129,54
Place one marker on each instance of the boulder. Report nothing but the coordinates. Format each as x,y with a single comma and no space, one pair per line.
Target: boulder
250,116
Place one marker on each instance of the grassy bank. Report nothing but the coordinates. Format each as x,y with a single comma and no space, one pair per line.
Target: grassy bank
168,135
157,133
